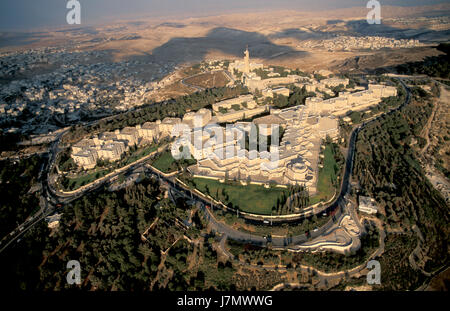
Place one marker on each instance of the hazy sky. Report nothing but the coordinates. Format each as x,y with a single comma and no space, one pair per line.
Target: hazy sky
29,14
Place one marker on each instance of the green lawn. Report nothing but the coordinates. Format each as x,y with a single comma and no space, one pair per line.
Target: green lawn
167,164
75,183
327,176
252,199
259,200
139,154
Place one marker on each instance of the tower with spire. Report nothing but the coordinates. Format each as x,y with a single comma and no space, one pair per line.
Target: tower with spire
247,61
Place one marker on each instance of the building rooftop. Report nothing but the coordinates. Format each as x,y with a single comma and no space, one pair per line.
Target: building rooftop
269,120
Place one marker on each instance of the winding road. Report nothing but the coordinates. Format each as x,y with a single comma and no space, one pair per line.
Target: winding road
53,198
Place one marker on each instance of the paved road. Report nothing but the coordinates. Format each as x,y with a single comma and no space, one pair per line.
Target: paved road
228,232
206,205
324,278
53,198
335,208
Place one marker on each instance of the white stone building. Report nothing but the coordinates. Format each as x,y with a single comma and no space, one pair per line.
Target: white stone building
367,205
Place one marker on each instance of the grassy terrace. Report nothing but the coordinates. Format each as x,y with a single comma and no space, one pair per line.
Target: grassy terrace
259,200
327,177
139,154
166,163
252,198
75,183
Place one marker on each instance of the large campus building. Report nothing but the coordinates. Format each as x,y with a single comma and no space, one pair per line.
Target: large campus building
295,161
346,101
245,69
221,154
110,146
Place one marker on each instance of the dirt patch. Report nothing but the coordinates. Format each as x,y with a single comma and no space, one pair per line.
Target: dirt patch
208,80
441,282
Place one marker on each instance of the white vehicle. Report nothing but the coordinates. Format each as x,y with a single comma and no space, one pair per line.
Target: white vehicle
315,230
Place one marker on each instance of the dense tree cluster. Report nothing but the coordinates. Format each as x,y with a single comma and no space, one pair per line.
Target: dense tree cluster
157,111
132,240
297,198
8,141
17,202
387,169
436,66
395,260
102,232
297,97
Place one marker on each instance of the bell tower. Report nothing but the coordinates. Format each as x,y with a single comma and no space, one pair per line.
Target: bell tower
247,61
